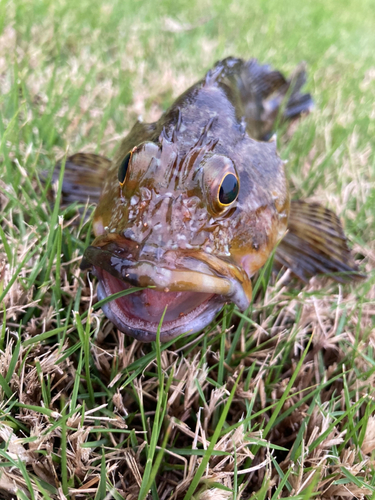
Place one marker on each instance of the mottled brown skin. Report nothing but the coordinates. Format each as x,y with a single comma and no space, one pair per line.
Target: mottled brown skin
165,215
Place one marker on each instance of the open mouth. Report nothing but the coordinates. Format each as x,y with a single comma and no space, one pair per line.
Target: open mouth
138,314
190,291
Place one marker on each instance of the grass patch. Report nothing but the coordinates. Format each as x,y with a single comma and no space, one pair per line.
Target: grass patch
274,403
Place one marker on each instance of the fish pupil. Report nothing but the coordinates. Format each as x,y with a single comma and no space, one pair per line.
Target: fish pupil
123,168
228,191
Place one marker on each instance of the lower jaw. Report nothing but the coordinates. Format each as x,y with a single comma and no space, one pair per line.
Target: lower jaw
146,331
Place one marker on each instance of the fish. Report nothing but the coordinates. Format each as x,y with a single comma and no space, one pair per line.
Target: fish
193,205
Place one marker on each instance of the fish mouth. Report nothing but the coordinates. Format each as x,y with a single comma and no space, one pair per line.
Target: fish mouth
190,287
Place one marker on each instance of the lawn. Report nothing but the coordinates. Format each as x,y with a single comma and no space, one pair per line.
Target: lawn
274,403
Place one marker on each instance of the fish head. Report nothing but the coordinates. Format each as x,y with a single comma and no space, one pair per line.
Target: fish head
175,220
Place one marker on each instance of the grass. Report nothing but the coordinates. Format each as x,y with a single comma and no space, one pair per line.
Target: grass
274,403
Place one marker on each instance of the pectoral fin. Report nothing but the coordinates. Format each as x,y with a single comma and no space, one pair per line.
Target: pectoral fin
84,175
315,244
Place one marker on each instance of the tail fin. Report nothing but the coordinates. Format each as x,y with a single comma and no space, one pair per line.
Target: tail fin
315,244
266,94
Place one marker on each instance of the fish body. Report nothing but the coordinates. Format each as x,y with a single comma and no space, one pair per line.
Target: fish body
193,204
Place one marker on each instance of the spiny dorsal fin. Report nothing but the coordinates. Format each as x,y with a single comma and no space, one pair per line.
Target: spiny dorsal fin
315,244
83,177
261,79
266,93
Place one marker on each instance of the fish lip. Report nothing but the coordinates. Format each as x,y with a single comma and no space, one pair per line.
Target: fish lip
202,282
152,274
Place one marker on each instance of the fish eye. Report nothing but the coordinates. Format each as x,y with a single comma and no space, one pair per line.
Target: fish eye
228,190
136,164
124,168
220,182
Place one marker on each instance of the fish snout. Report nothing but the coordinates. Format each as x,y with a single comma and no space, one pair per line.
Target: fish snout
169,271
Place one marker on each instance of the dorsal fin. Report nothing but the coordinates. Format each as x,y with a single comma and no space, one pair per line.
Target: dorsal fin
263,95
268,96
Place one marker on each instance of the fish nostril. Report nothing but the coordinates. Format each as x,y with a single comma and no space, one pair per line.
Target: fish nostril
129,234
151,252
159,254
